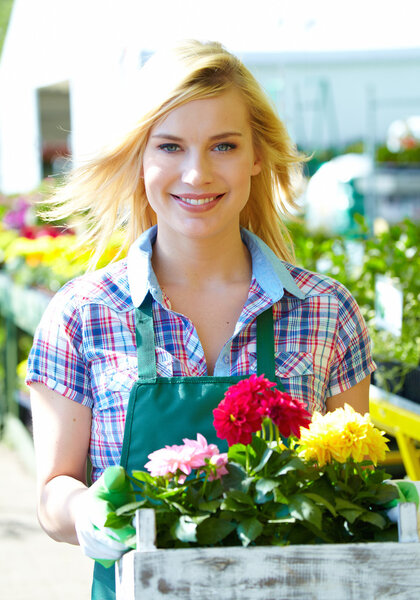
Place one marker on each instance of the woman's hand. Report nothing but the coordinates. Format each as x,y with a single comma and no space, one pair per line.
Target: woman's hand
111,490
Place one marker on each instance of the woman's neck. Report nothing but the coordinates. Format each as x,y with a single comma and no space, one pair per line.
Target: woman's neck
200,263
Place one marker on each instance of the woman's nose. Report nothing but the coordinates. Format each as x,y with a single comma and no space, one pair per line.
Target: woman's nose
197,169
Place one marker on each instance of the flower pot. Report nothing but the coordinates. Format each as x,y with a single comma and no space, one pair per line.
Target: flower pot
327,572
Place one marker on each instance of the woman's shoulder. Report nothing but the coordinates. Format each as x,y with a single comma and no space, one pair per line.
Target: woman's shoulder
315,284
107,286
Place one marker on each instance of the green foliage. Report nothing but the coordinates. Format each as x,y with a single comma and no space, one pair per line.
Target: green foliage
407,156
394,253
5,11
269,497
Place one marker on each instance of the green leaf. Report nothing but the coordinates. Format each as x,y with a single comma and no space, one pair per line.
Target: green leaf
185,529
350,514
178,507
280,497
259,453
234,478
129,508
266,485
144,477
214,489
210,506
230,504
115,522
283,512
240,497
341,503
213,530
304,509
237,454
291,465
321,500
374,518
264,488
385,493
264,459
348,510
246,483
248,530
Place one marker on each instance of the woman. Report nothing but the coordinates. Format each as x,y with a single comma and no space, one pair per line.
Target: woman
212,166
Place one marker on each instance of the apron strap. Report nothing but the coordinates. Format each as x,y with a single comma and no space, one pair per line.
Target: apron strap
145,340
266,364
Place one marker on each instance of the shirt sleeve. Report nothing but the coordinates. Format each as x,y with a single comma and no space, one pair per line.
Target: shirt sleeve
56,358
353,358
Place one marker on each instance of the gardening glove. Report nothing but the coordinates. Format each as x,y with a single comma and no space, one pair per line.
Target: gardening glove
408,491
112,490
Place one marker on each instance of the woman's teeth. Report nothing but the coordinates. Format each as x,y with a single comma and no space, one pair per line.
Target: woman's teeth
199,202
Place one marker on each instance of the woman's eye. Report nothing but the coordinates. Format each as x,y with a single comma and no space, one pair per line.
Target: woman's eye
169,147
224,147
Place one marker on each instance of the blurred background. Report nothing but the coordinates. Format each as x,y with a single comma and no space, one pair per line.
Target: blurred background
345,78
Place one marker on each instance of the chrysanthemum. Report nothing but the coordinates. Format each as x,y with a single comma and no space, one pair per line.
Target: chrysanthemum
340,435
236,418
289,415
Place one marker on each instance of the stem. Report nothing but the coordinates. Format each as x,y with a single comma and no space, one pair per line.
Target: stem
203,489
271,430
276,429
246,460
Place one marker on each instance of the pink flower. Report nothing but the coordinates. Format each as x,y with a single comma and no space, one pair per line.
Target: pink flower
289,415
169,460
219,461
236,418
181,460
201,450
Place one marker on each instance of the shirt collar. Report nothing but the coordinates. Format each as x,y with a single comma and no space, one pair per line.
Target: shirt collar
268,270
141,277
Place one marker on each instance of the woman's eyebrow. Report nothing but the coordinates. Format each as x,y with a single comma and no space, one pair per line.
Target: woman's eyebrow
175,138
225,134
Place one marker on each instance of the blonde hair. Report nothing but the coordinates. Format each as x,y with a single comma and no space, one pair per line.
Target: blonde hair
108,191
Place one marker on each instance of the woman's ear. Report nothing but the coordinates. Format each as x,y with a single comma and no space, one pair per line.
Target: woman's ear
256,167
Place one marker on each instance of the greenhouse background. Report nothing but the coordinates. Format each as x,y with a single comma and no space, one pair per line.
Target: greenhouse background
345,80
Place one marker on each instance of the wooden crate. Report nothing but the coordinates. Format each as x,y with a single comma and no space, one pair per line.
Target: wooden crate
374,571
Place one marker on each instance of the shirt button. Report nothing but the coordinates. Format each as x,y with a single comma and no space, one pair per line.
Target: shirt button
226,360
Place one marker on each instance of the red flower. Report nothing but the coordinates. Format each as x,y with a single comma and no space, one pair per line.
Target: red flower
289,415
237,417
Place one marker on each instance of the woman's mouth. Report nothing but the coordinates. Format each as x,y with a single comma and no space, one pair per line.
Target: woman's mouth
197,200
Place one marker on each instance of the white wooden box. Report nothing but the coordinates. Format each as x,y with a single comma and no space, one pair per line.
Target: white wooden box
374,571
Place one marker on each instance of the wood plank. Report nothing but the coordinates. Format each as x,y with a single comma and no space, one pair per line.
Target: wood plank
329,572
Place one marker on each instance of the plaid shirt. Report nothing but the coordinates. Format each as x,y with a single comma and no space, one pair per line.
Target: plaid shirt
84,347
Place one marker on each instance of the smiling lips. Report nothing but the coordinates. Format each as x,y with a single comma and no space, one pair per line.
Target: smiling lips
197,199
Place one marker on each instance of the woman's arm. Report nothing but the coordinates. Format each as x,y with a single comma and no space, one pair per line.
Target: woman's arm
61,429
357,396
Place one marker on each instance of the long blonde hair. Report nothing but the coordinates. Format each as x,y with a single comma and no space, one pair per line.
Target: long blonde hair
108,191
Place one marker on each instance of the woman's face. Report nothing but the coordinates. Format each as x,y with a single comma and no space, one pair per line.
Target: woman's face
198,164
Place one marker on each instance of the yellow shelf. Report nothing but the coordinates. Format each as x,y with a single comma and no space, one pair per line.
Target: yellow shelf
401,419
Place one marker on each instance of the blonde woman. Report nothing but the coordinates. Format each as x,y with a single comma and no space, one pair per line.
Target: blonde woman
134,356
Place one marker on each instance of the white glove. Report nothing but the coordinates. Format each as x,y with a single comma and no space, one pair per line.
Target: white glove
95,542
408,491
101,543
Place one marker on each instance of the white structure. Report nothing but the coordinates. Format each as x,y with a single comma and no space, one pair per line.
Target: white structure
85,53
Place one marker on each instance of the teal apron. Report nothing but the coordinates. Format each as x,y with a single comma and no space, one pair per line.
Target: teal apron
164,410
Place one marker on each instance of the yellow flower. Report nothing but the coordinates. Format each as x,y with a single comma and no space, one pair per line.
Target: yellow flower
340,435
